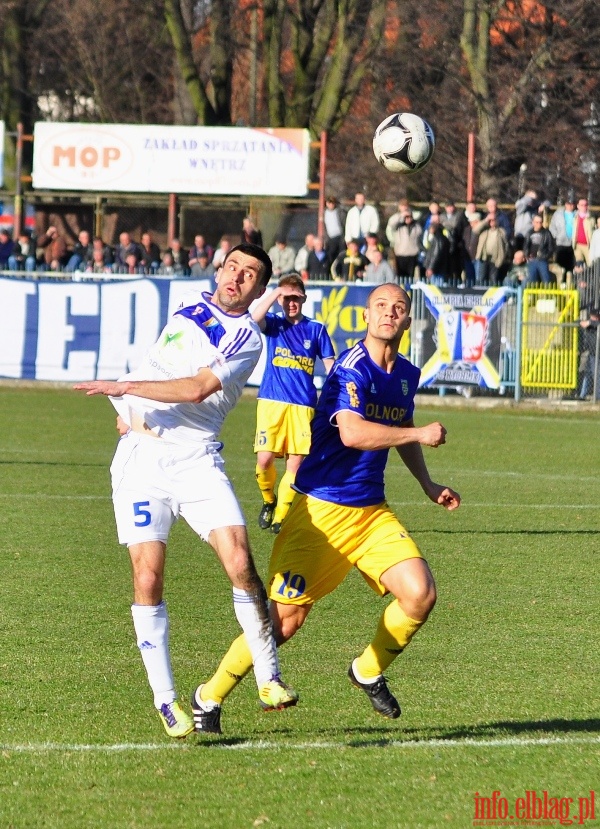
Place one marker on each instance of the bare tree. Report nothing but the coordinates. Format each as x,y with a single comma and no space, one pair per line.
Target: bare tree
315,54
521,59
106,62
19,20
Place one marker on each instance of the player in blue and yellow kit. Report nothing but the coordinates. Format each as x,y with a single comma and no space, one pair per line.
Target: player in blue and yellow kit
339,518
287,395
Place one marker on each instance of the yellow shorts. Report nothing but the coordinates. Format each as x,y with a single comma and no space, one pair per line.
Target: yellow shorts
320,542
282,428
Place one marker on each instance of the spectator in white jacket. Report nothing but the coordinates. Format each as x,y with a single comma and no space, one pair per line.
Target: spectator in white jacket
361,219
525,209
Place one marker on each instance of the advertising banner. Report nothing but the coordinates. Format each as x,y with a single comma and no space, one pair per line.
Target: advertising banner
69,331
460,336
165,159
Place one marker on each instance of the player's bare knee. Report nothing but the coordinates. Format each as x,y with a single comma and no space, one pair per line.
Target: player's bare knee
287,620
428,599
419,601
289,627
147,587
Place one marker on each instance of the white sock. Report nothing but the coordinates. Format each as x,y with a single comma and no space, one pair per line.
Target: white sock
253,615
205,704
365,680
151,623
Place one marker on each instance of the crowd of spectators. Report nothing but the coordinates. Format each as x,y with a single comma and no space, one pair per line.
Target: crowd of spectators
94,257
443,244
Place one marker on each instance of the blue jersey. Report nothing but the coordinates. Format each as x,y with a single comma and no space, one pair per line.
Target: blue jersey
292,350
334,472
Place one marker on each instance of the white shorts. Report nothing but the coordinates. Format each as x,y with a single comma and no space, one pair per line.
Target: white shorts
154,482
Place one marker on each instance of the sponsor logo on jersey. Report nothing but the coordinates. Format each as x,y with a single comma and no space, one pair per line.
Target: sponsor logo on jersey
353,394
284,358
205,319
388,414
172,339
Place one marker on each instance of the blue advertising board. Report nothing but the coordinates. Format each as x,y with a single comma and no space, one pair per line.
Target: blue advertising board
69,331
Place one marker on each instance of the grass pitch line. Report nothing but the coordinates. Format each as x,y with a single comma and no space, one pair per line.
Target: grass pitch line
270,745
500,742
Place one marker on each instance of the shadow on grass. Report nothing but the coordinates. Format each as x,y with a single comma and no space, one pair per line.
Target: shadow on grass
385,735
492,730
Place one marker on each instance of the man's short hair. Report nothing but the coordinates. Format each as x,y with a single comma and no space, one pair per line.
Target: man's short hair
266,269
393,285
293,280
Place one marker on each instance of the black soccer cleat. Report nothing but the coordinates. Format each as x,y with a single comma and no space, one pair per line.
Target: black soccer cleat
379,695
265,516
276,528
207,719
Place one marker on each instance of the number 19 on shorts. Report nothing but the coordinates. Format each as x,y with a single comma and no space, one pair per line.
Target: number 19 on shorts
292,586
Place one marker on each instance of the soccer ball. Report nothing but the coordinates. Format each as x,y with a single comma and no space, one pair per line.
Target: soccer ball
403,143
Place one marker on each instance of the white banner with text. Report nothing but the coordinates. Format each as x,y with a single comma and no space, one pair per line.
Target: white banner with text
165,159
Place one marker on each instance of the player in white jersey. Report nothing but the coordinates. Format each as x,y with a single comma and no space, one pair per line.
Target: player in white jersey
168,464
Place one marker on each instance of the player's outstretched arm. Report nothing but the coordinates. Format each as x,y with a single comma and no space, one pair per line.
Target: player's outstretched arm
182,390
259,312
358,433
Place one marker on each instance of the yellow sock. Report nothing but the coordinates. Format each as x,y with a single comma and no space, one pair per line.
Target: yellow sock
233,668
285,496
265,479
394,632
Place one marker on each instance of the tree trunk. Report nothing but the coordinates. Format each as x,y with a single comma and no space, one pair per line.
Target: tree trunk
183,49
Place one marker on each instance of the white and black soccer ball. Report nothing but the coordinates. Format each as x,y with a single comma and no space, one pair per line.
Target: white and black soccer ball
403,143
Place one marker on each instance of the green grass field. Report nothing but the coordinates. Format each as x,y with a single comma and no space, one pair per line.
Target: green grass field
499,691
